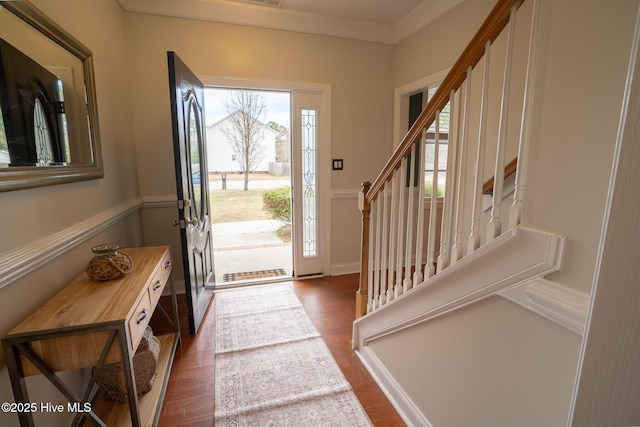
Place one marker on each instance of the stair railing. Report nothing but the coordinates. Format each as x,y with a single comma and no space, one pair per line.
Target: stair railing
394,258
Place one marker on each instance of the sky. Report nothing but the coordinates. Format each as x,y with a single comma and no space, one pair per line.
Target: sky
278,106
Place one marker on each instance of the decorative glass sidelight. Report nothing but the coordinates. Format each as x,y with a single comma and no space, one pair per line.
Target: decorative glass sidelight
309,183
44,147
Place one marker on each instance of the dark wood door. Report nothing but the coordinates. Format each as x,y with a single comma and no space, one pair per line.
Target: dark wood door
187,114
32,112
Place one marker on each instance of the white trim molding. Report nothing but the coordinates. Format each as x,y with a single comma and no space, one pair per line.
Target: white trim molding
562,305
293,20
24,259
402,403
517,256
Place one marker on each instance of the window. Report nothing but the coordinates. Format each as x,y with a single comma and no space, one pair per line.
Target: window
442,149
309,183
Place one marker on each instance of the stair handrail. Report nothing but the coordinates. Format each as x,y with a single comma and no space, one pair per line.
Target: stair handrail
471,55
490,29
509,169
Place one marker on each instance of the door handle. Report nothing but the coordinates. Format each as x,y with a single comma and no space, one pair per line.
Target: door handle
193,222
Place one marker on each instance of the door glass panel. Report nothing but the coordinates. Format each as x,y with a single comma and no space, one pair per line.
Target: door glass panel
44,149
309,184
194,152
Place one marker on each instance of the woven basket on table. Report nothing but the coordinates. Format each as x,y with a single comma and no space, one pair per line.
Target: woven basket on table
108,263
145,363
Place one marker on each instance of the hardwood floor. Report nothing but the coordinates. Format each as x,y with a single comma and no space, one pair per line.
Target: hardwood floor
330,303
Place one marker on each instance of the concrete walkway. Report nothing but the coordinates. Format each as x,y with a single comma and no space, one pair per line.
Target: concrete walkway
248,246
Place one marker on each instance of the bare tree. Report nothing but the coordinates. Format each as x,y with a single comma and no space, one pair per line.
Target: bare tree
245,131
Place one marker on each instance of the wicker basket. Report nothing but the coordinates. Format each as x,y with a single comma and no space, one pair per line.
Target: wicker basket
145,363
107,263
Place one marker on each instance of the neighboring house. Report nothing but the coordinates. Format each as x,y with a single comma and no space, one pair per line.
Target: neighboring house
220,155
4,157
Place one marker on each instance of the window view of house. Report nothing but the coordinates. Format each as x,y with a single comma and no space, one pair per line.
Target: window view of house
249,171
443,146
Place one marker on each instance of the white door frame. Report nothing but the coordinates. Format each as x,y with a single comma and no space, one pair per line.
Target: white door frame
401,102
323,151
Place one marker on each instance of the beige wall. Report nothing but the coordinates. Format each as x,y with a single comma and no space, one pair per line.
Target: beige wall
30,216
360,75
438,45
472,367
582,72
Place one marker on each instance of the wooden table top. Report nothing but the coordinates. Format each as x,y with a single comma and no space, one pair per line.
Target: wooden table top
88,302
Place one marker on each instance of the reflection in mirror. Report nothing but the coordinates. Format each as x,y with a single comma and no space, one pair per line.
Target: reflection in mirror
48,115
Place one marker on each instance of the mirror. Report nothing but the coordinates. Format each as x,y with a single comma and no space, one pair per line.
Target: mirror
48,113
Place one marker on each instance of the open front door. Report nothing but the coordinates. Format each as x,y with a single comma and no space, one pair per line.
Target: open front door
187,114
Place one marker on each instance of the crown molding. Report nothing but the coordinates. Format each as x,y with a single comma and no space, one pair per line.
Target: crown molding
287,20
423,15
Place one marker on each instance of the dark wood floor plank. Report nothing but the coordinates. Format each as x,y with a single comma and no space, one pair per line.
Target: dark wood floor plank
330,303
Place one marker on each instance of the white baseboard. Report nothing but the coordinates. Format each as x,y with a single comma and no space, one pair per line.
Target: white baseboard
346,268
402,403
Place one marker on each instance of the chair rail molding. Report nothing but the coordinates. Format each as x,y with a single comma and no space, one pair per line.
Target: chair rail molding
21,261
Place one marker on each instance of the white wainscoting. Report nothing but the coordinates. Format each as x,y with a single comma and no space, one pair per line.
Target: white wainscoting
516,260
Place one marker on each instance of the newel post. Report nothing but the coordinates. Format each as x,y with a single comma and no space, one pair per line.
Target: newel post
362,293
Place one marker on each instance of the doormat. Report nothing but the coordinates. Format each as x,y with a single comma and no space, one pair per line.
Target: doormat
253,275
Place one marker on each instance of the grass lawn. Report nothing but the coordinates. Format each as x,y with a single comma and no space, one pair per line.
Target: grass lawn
237,205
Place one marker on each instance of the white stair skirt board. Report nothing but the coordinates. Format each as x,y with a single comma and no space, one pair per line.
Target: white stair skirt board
517,256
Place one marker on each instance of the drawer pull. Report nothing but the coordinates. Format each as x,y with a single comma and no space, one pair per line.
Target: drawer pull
167,264
157,285
143,315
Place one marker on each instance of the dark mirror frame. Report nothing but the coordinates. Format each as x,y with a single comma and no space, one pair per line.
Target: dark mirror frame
14,178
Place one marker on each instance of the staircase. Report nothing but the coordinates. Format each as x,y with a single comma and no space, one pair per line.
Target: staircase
427,257
406,238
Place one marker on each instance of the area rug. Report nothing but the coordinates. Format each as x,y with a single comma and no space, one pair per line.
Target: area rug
273,368
252,275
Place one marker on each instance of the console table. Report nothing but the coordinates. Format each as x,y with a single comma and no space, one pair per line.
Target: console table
90,323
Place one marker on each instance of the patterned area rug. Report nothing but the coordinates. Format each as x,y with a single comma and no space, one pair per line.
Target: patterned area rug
272,366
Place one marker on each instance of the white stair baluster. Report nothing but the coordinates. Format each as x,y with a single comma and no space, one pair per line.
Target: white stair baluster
474,237
376,282
494,228
430,269
418,276
401,174
385,244
408,284
393,233
370,276
448,203
515,214
461,171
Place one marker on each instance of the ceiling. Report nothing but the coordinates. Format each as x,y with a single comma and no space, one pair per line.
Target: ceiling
387,21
